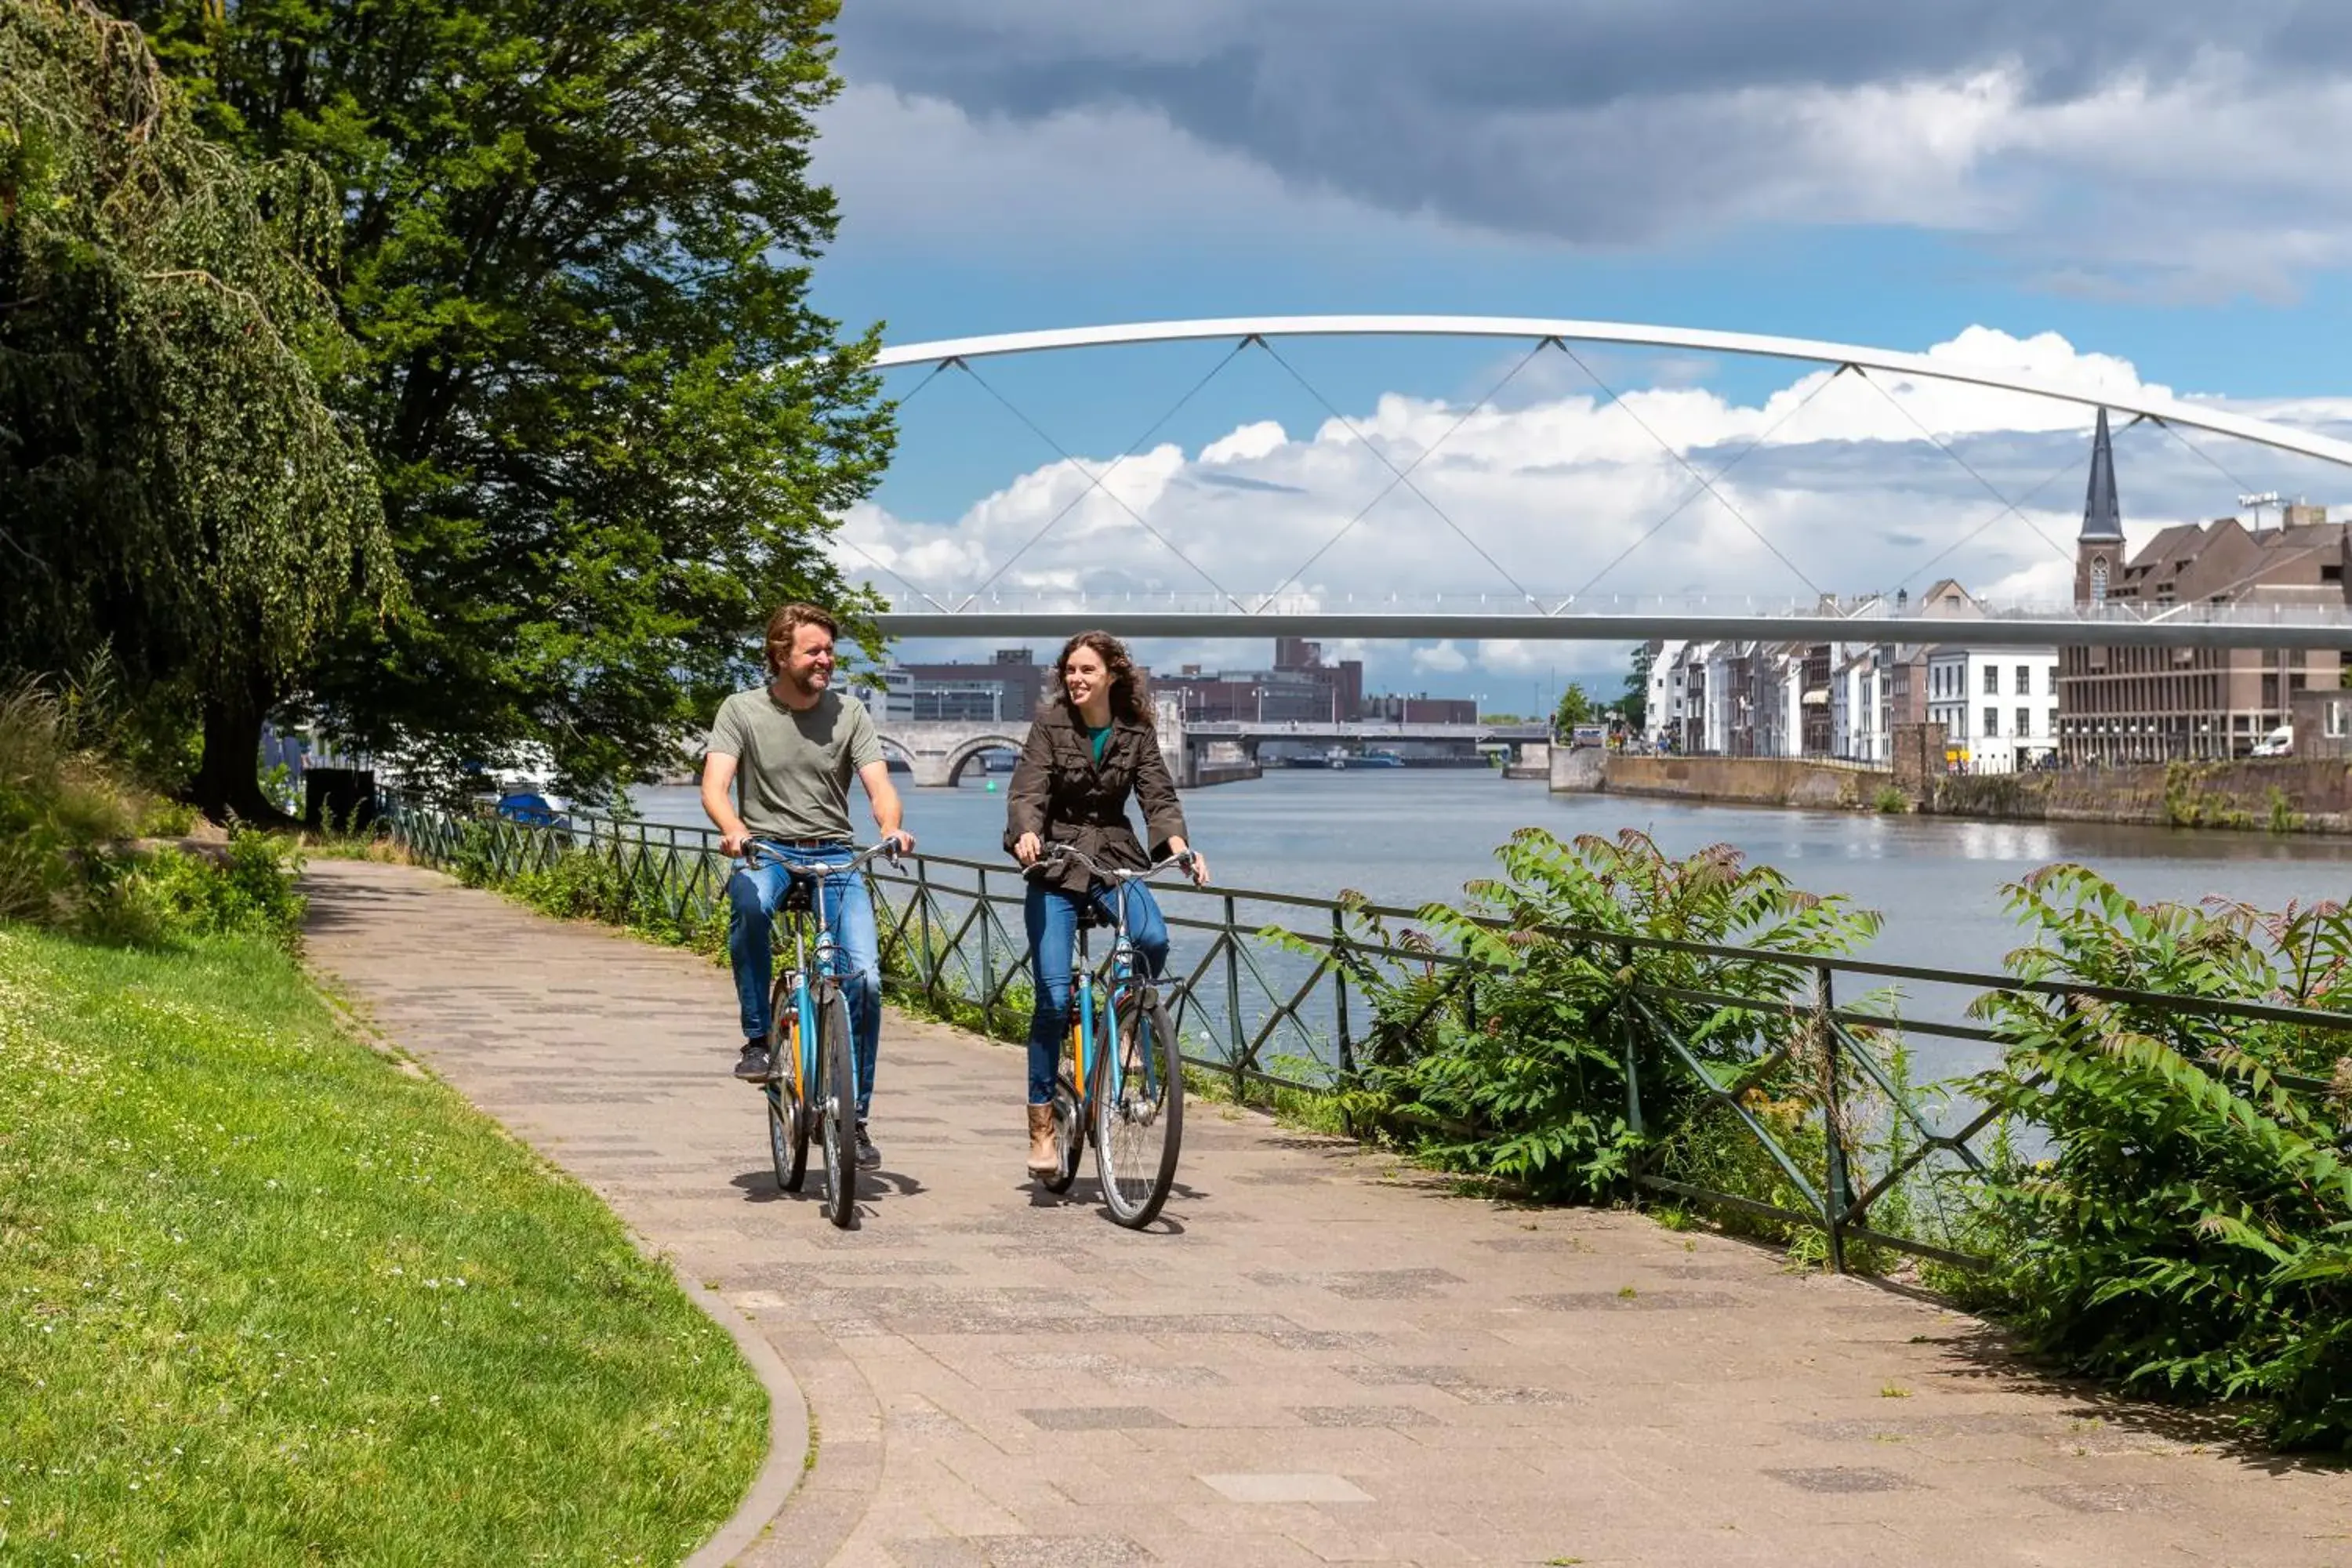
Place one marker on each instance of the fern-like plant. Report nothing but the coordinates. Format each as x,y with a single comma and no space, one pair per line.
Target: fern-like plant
2189,1231
1549,1050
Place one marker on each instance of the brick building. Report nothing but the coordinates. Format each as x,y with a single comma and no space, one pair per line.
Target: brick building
2156,704
1300,688
1006,689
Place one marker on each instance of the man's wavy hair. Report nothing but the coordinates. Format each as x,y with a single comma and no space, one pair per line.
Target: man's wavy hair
1130,696
778,647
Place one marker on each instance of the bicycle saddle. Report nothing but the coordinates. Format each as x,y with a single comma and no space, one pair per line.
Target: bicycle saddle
799,895
1093,916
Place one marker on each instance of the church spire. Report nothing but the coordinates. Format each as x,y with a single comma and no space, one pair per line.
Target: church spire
2102,512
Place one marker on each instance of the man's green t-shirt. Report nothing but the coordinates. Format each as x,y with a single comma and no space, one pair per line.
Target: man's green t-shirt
794,768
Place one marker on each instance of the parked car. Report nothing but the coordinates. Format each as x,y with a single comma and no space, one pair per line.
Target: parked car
2279,743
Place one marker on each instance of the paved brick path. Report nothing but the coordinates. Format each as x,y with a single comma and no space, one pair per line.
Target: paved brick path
1321,1360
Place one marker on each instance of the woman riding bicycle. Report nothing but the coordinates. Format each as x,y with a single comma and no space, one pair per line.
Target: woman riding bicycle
1090,746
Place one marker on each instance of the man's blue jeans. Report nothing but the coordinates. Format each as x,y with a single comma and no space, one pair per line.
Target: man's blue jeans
1052,917
754,892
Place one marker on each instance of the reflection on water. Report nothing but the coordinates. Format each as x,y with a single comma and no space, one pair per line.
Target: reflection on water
1410,835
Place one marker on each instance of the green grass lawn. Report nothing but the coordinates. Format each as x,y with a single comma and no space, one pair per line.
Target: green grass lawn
266,1298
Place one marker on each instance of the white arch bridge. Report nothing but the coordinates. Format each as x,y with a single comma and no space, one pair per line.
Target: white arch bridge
2320,620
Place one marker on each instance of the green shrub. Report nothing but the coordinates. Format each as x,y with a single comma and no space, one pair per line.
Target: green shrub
65,817
1515,1065
1889,800
2281,816
2189,1231
60,812
474,860
576,885
248,890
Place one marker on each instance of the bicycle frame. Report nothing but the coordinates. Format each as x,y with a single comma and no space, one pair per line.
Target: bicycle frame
1090,1047
828,968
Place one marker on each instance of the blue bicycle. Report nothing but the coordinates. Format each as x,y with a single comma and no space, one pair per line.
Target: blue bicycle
814,1078
1123,1081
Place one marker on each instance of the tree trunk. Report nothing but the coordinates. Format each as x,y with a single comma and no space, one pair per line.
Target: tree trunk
228,781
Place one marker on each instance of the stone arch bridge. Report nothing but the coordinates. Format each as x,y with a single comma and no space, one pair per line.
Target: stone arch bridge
936,753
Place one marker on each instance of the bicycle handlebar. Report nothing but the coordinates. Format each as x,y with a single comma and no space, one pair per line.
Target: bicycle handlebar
857,862
1054,851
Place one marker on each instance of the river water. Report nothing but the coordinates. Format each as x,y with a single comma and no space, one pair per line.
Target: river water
1408,836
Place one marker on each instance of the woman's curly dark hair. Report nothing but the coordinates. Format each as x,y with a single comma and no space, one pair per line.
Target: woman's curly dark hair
1130,697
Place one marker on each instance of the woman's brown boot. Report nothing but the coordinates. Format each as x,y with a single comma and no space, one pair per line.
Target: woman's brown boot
1043,1158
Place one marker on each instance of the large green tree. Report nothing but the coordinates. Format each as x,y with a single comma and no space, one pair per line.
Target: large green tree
1575,708
177,496
612,432
1634,700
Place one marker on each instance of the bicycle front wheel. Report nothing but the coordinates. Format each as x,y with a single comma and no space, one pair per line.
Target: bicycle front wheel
835,1103
1069,1137
1139,1113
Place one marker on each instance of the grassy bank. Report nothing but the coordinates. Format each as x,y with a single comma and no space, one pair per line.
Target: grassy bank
265,1296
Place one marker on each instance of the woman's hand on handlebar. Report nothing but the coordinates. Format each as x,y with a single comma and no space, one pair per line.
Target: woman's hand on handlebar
1026,848
734,844
1194,864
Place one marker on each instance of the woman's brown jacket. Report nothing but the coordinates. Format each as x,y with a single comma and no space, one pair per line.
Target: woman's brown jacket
1063,795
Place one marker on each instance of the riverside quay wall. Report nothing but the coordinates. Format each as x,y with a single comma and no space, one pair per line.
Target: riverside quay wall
2287,794
1743,781
2283,794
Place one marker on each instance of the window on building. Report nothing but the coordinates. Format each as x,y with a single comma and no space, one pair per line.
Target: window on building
2054,682
2025,680
2331,723
2098,578
2024,722
1993,681
1992,723
2053,731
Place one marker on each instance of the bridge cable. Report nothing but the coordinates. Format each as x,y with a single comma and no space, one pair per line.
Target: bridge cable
869,556
1942,446
1691,469
2071,465
1702,488
882,565
1096,481
937,371
2165,426
1403,475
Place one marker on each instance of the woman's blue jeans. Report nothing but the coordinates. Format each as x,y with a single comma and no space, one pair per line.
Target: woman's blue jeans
1052,917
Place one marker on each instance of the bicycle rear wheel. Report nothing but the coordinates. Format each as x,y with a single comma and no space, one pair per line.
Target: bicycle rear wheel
835,1104
787,1120
1140,1128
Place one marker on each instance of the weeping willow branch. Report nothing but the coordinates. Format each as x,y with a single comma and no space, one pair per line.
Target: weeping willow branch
169,451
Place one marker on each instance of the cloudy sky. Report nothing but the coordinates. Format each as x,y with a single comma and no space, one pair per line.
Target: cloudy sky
2143,194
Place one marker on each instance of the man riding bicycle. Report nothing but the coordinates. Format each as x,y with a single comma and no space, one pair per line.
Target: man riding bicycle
789,749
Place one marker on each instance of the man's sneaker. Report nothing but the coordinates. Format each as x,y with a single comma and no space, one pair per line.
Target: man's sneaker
754,1066
869,1156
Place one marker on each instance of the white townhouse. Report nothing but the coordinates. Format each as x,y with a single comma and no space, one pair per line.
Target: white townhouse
1999,706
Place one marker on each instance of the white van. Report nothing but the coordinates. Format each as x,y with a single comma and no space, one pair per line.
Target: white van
2279,743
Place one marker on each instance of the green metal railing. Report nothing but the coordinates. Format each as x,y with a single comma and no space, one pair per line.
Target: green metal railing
1275,995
